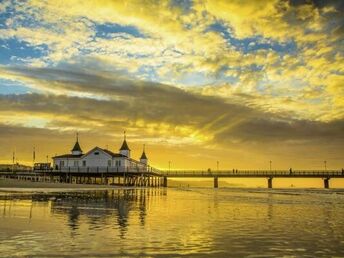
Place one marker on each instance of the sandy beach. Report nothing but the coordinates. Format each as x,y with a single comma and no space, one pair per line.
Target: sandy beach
14,185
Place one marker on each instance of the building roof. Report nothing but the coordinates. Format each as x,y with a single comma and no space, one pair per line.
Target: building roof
114,154
77,147
68,156
124,146
143,156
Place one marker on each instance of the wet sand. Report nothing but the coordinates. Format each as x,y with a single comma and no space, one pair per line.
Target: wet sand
14,185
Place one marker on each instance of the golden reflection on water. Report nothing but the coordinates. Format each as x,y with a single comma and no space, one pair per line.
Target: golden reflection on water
151,222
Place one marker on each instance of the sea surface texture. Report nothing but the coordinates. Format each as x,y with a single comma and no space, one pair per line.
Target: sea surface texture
195,222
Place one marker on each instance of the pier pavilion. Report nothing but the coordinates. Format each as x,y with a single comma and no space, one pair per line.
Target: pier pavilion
100,158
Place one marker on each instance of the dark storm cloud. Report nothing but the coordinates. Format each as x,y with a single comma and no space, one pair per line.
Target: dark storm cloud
338,4
157,103
333,21
264,130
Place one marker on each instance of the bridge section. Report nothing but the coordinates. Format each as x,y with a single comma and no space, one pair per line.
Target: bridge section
326,175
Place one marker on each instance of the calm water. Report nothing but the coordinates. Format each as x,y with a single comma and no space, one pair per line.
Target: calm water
174,222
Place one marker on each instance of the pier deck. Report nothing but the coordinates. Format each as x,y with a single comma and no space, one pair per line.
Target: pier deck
326,175
155,177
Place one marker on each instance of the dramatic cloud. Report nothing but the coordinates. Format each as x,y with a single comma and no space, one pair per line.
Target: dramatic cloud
116,98
233,75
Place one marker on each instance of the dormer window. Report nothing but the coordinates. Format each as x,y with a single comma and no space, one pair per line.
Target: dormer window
96,153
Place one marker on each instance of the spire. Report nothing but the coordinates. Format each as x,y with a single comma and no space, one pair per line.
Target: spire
124,144
76,149
143,156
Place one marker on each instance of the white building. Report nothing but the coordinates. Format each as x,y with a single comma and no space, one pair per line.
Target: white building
100,159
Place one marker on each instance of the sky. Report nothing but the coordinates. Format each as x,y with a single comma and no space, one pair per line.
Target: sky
238,82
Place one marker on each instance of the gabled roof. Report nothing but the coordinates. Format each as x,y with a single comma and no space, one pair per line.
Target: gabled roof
143,156
114,154
108,152
124,146
67,156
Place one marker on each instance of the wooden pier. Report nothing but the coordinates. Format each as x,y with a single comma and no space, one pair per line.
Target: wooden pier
157,178
326,175
96,175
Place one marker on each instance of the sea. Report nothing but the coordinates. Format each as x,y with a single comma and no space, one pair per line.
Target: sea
173,222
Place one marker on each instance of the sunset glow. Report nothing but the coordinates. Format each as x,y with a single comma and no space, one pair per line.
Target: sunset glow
239,82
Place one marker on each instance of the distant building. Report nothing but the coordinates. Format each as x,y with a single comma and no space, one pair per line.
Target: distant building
101,159
15,166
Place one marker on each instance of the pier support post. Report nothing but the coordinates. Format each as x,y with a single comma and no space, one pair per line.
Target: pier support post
216,182
326,183
270,182
165,182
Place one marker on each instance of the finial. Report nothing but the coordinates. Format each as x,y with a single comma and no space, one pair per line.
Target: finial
77,136
144,146
124,136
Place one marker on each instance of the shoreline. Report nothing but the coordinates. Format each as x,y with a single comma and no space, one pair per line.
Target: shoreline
15,185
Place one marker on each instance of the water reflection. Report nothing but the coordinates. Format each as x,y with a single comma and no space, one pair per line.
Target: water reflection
172,222
96,207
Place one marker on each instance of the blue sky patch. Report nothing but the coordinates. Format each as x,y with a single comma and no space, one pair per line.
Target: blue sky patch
252,44
8,87
106,29
185,5
12,50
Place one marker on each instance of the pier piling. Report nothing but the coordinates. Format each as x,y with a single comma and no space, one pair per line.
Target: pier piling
216,182
165,182
270,182
326,183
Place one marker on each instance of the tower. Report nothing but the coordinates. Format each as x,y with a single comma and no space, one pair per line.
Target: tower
124,150
76,149
143,158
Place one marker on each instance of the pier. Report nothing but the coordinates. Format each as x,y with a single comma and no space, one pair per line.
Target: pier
326,175
159,178
90,175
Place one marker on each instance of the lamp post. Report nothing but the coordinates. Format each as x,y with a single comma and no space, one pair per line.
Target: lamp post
325,163
217,166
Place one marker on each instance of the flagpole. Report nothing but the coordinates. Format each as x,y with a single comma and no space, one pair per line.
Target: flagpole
33,157
13,155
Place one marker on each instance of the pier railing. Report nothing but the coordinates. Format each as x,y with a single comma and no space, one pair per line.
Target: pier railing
253,173
82,170
188,173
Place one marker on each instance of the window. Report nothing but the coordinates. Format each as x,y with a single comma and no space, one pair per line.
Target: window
118,163
84,163
76,163
109,163
62,163
96,153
